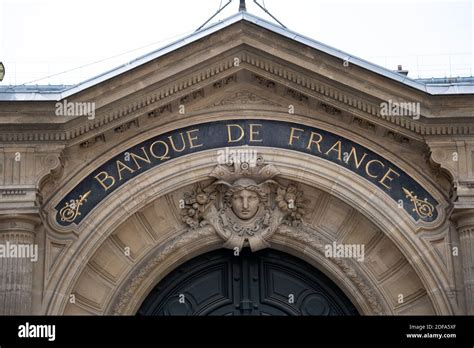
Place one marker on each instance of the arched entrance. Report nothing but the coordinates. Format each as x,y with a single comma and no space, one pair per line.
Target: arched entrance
267,282
148,220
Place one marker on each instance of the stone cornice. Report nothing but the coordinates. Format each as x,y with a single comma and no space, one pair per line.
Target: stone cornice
307,84
369,106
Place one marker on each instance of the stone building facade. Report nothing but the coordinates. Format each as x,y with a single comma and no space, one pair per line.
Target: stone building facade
122,179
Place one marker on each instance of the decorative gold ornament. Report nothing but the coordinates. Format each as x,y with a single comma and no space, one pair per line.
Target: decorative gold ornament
70,211
423,208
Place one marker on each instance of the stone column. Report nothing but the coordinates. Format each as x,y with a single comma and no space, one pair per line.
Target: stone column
464,219
16,273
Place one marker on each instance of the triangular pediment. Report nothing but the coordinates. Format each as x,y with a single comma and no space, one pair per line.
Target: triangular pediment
296,67
244,91
258,81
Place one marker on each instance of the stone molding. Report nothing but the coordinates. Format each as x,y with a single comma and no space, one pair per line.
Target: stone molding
307,85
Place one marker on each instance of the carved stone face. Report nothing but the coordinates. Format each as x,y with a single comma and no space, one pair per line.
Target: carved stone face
245,204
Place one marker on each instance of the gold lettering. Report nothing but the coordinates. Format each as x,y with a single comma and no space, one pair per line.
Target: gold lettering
229,138
120,167
145,159
252,132
164,155
106,176
191,139
173,145
293,136
386,176
354,152
312,141
338,144
368,165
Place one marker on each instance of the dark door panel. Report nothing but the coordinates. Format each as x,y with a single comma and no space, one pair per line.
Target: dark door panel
267,282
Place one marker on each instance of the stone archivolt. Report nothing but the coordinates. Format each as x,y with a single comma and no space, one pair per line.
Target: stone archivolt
301,233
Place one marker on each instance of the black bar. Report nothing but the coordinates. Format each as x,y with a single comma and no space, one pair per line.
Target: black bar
134,331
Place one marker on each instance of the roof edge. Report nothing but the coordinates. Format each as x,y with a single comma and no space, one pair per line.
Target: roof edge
431,89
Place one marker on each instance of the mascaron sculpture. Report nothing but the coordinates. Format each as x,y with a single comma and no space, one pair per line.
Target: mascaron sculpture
245,204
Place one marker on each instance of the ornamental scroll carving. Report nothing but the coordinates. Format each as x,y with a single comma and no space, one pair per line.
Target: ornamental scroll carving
245,204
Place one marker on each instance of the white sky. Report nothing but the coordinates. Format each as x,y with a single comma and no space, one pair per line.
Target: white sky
39,38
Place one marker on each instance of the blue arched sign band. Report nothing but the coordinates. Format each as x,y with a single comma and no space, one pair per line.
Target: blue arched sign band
103,181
